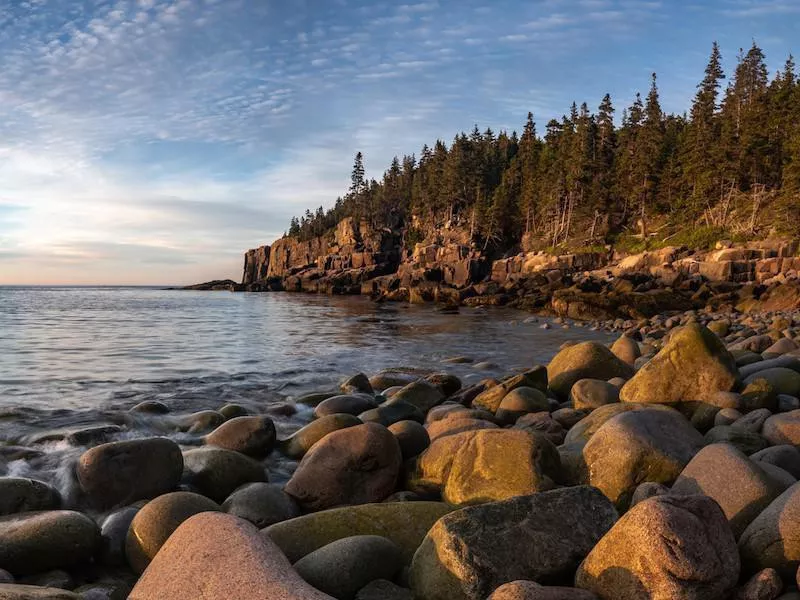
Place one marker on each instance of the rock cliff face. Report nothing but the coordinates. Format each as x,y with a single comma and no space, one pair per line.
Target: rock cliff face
446,267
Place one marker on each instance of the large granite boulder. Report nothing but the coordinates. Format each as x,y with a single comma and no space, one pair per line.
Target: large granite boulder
119,473
405,523
35,542
772,540
157,520
345,566
216,472
491,399
216,556
471,552
626,349
253,436
693,366
357,465
711,473
588,394
665,547
587,360
301,441
637,446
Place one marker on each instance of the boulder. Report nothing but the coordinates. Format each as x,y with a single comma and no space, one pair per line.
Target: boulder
19,494
471,552
783,428
357,383
746,441
157,520
262,504
34,542
114,534
784,456
693,366
200,422
447,384
353,404
345,566
457,423
119,473
626,349
231,411
752,421
711,472
380,589
491,398
781,379
215,472
214,555
542,422
391,412
496,464
412,437
301,442
521,401
585,428
421,394
530,590
665,547
10,591
764,585
357,465
252,436
772,540
588,394
587,360
405,523
637,446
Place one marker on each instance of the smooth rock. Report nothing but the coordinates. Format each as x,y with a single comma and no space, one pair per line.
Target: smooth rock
120,473
764,585
252,436
405,523
216,472
232,411
421,394
357,465
781,379
380,589
772,540
626,349
587,360
389,413
530,590
588,394
157,520
664,548
412,437
521,401
19,494
114,533
543,423
301,442
471,552
784,456
783,428
262,504
345,566
348,405
10,591
357,383
746,441
214,556
490,399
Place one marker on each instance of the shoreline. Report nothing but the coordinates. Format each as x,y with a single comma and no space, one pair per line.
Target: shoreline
416,465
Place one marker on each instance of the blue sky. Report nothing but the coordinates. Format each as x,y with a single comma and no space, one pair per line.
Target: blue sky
153,141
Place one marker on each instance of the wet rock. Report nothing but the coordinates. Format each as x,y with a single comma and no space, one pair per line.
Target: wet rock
315,398
200,422
499,464
35,542
301,442
388,379
664,548
447,384
530,590
772,540
626,349
693,366
262,504
405,523
252,436
93,435
214,555
764,585
490,399
784,456
151,407
215,472
471,552
637,446
114,533
421,394
587,360
345,566
588,394
357,383
9,591
350,405
412,437
711,472
782,380
356,465
157,520
19,494
521,401
393,412
232,411
120,473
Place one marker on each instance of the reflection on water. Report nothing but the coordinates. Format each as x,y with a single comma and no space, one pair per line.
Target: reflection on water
76,357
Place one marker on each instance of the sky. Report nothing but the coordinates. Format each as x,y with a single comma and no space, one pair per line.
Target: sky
154,141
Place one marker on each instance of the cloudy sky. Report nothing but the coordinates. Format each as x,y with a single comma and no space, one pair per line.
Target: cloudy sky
153,141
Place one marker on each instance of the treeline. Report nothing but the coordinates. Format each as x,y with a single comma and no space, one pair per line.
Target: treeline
587,179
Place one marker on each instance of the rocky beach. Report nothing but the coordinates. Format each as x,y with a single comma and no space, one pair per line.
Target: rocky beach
660,465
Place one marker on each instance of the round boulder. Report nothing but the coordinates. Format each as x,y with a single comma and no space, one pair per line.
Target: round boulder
530,590
301,442
216,472
353,404
114,533
521,401
253,436
157,520
587,360
345,566
412,437
772,540
263,504
120,473
19,494
588,394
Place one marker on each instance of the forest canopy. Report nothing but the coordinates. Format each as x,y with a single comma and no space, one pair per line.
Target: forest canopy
732,163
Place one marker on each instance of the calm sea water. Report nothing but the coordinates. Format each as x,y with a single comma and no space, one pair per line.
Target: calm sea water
77,357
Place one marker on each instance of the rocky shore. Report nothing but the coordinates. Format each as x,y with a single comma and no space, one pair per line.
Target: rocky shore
662,466
596,284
